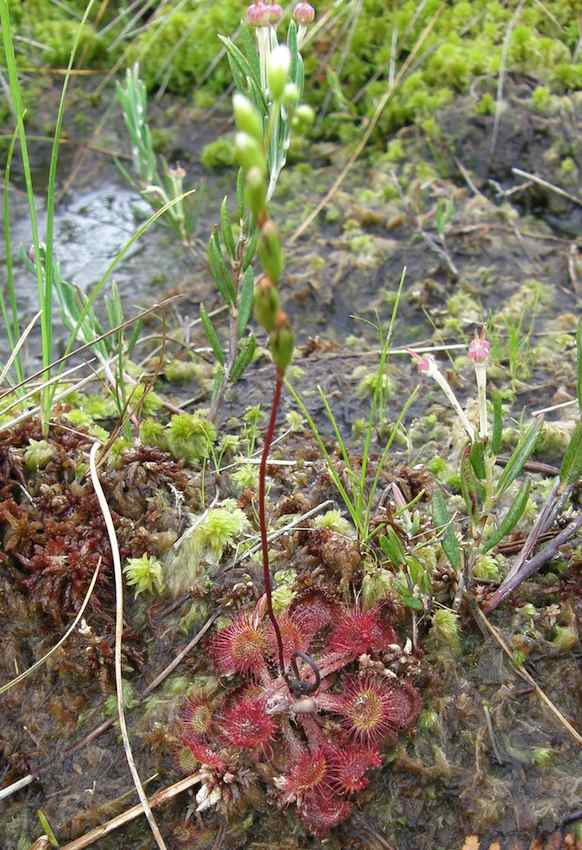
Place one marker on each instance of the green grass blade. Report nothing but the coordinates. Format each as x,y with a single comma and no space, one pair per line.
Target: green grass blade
333,474
520,455
571,468
378,389
102,282
8,293
510,520
47,301
379,466
19,112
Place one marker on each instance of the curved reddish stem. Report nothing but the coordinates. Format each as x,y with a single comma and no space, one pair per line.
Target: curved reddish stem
263,521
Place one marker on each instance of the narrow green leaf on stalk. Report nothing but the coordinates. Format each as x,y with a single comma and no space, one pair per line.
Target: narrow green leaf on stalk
251,249
497,431
293,49
571,469
471,491
226,228
511,518
419,574
240,195
244,72
245,301
217,382
248,47
477,456
519,456
300,74
442,520
579,365
238,76
212,336
243,359
219,270
392,547
114,306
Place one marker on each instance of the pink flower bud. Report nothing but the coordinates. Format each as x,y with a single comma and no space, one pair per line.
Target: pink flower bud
425,364
479,349
257,15
304,13
274,14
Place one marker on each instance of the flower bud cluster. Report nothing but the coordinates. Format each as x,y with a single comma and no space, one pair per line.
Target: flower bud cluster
250,152
264,19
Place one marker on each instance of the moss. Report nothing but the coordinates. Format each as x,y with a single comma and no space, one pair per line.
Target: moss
181,371
246,477
487,568
541,99
568,168
79,418
295,421
180,46
195,616
335,522
444,632
144,575
372,382
202,547
37,455
395,151
59,37
377,584
486,105
553,441
218,154
283,593
152,433
190,437
463,306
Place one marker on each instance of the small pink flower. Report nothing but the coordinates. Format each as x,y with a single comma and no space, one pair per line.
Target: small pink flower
274,14
304,13
479,349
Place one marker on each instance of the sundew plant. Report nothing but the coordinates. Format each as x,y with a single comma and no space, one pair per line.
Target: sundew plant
302,534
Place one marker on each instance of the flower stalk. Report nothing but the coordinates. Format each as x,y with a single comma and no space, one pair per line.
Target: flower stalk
427,365
479,354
